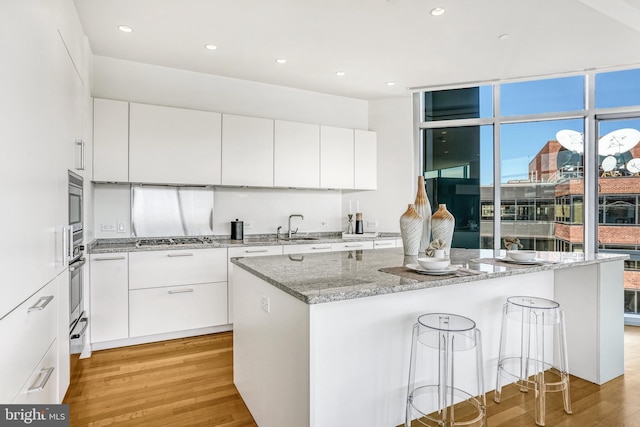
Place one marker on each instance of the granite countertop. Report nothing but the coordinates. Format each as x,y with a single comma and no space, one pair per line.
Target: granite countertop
335,276
102,246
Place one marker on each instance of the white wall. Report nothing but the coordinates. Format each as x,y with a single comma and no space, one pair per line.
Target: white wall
151,84
392,120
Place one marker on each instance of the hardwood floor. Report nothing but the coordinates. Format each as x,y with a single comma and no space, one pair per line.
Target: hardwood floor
189,382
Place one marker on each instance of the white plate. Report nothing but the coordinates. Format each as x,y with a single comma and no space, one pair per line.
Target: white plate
418,269
514,261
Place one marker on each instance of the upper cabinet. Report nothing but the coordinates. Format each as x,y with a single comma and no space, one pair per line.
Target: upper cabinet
173,145
366,159
296,155
336,157
110,140
247,151
151,144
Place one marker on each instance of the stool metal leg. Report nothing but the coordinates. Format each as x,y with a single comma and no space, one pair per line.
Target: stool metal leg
503,343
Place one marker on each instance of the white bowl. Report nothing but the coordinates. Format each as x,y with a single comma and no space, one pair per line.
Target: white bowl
434,263
521,255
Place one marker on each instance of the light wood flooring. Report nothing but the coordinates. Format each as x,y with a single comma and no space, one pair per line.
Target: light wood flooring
189,382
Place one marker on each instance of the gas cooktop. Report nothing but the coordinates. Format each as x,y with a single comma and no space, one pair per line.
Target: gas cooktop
173,241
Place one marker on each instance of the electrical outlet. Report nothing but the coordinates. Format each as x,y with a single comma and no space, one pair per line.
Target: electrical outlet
372,224
107,227
248,225
121,227
323,223
265,304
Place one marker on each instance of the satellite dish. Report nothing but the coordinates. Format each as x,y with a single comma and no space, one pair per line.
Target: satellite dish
633,165
609,163
571,140
617,142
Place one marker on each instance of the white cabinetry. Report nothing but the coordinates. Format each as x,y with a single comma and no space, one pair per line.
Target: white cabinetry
173,145
247,151
307,248
63,367
296,155
27,334
109,297
177,290
365,160
110,140
245,251
352,246
336,157
41,387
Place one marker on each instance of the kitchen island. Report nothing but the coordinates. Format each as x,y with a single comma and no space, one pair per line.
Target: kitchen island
324,339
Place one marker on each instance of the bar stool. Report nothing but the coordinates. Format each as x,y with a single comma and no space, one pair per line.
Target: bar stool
436,396
533,350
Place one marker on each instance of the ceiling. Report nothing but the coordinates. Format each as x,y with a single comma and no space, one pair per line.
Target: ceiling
372,41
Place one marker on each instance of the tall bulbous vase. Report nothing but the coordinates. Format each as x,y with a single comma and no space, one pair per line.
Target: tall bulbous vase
442,225
411,231
423,207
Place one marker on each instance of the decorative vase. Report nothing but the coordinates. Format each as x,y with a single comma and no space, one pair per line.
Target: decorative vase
442,225
423,207
411,230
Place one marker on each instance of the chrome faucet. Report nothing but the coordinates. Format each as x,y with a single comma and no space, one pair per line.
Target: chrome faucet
293,216
278,233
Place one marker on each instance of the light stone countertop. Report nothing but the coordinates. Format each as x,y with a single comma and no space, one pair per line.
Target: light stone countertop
104,246
336,276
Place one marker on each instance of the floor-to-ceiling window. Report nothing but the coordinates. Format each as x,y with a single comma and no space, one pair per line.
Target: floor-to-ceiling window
536,139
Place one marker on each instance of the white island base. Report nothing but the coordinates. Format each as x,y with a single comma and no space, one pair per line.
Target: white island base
346,363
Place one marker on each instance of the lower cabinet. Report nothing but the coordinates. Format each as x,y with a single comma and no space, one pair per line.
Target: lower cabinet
109,296
177,308
42,386
307,248
384,244
352,246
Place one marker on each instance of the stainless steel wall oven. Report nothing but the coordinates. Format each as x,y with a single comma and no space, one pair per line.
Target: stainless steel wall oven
78,321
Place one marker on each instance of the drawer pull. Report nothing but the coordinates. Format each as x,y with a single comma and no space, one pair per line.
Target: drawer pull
255,251
353,246
109,258
47,374
84,328
181,254
315,248
40,304
181,291
384,243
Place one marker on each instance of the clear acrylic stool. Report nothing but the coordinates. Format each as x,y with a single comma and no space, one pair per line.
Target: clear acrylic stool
533,350
436,396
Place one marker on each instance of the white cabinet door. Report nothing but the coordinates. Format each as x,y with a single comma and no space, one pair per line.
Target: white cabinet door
63,367
365,160
307,248
336,157
173,145
109,296
384,244
352,246
42,386
110,140
177,267
247,151
246,251
177,308
296,155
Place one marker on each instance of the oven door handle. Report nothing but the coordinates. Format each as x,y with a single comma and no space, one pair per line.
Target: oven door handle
84,328
77,264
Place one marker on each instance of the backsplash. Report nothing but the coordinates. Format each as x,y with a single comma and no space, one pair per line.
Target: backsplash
262,210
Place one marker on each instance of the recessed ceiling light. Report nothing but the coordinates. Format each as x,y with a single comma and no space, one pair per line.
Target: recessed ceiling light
340,73
281,61
391,83
211,46
437,11
446,151
503,36
125,28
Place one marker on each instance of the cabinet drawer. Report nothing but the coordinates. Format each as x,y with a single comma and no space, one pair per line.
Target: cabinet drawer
352,246
250,251
384,244
178,267
42,386
307,248
26,333
177,308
